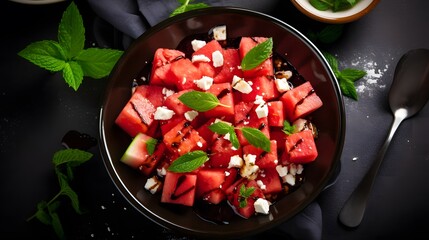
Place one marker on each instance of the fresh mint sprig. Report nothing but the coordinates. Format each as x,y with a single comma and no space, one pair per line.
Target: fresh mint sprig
288,128
68,54
254,136
200,101
346,77
244,194
188,162
187,5
150,145
64,163
257,55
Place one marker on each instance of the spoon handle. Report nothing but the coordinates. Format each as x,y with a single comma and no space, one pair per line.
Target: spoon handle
353,210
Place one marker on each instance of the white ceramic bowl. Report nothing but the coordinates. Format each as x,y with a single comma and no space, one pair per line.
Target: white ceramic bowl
361,8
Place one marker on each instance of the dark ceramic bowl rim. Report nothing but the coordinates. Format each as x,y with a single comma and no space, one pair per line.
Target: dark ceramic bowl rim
107,160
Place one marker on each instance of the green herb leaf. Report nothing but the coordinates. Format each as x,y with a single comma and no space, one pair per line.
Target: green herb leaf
332,61
200,101
221,128
98,62
73,74
66,190
56,224
71,32
224,128
46,54
328,34
256,138
257,55
150,145
352,75
186,5
73,157
322,5
41,213
288,128
244,194
188,162
347,87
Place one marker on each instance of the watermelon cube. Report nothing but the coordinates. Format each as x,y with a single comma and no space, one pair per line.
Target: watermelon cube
300,147
276,116
183,138
172,102
179,188
263,159
161,66
183,73
234,197
136,153
221,152
300,101
150,163
262,86
245,116
209,185
231,66
270,180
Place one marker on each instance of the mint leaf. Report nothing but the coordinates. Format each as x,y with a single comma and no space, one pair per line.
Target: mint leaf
244,194
56,224
67,191
257,55
200,101
188,162
288,128
221,128
73,74
46,54
347,87
328,34
352,75
256,138
224,128
322,5
71,32
150,145
75,157
98,62
332,61
186,5
41,213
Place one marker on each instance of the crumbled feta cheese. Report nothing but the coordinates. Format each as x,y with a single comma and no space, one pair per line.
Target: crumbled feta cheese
290,179
262,206
262,110
152,184
282,84
217,58
235,161
219,33
249,170
241,85
227,173
161,171
163,113
292,169
191,115
259,99
184,81
281,170
204,83
261,185
199,144
227,137
167,92
200,58
197,44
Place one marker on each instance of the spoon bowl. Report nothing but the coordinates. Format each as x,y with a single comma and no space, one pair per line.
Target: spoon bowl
407,96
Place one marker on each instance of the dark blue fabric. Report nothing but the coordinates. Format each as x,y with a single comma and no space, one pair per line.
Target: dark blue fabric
133,17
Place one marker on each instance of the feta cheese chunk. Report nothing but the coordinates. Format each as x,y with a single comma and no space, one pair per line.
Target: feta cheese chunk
217,58
282,84
200,58
219,32
249,170
259,99
261,185
235,161
262,110
262,206
167,92
191,115
281,170
163,113
152,184
241,85
197,44
204,83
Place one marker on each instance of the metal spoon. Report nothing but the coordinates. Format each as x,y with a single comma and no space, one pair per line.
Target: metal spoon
407,96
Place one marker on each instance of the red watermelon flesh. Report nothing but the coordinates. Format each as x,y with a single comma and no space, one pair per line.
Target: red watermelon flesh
265,68
300,147
179,188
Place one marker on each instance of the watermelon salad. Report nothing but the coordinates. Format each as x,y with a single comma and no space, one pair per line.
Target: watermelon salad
207,127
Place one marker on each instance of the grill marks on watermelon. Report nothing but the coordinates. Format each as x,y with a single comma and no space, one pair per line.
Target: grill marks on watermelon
300,147
179,188
161,65
183,138
245,116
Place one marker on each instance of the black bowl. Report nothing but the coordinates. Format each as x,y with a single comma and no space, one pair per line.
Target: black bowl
301,53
